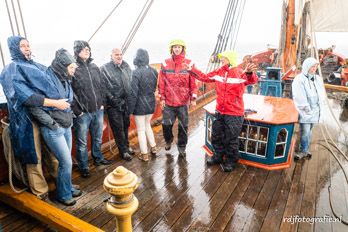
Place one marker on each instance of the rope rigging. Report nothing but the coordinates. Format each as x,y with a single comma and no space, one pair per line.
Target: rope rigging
228,32
107,17
17,27
136,25
238,22
134,28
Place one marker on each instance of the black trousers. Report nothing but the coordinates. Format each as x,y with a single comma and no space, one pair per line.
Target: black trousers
170,113
119,122
226,129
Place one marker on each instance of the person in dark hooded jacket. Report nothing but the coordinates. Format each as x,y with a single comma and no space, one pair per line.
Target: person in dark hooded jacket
117,78
25,83
88,107
55,124
142,101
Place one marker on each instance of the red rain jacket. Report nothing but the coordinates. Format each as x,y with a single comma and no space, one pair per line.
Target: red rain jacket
229,92
176,85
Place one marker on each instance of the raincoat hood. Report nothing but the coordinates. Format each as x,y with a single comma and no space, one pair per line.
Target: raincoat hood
60,63
78,46
13,45
141,58
231,56
177,42
307,64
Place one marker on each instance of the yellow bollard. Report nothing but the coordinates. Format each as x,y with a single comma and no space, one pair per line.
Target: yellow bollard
121,184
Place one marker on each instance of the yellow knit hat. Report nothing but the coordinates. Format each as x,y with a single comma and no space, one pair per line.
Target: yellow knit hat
177,42
231,56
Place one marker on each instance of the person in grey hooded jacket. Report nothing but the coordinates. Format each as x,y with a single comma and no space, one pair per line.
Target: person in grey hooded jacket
308,94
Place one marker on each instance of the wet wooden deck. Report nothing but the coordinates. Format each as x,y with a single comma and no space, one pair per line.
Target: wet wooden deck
185,195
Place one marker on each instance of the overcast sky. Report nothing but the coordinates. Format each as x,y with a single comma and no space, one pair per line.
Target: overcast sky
196,20
63,21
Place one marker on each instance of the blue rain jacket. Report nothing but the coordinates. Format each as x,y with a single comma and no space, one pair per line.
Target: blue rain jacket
308,93
21,79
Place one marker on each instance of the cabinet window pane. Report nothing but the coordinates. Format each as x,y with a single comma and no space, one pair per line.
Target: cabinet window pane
263,134
252,132
243,132
242,145
261,149
280,149
282,136
251,146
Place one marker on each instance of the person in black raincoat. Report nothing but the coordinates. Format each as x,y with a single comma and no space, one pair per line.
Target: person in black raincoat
142,101
25,83
117,78
88,108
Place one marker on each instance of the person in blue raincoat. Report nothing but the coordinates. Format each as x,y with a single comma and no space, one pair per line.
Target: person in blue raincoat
55,124
22,130
308,94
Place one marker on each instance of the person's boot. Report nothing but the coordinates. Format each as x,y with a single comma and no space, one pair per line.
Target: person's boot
76,193
85,173
300,155
131,151
68,202
126,156
182,152
154,150
168,146
227,167
143,157
213,161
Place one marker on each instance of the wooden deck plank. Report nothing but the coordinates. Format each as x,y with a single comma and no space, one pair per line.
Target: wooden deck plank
310,191
26,224
276,209
245,206
232,202
28,203
5,210
293,204
12,220
217,202
178,196
185,200
322,198
263,201
176,186
338,193
153,170
196,206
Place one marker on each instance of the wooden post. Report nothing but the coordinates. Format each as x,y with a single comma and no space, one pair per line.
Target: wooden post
121,184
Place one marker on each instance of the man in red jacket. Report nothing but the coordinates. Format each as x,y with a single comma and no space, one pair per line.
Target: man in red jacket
177,89
230,82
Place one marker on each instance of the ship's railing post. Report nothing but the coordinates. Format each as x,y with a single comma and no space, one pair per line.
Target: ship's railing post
121,184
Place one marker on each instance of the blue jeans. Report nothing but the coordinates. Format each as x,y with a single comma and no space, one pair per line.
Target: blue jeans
306,136
59,142
94,122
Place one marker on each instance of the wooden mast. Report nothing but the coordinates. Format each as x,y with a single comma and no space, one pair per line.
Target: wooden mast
288,58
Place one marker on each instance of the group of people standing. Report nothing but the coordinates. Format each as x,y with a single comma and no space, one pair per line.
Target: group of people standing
73,92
